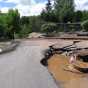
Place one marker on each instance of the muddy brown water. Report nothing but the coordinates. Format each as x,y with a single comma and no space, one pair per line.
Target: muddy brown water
67,79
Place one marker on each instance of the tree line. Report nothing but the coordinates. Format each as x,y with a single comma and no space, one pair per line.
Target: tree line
13,26
62,11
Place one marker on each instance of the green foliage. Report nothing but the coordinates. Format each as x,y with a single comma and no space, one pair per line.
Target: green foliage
78,16
2,31
13,21
3,25
85,15
30,24
10,22
49,28
24,21
35,23
49,17
24,32
48,14
64,10
48,7
85,25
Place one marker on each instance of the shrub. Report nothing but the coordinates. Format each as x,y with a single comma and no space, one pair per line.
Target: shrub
85,25
49,28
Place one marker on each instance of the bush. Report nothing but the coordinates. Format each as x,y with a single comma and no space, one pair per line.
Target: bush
85,25
49,28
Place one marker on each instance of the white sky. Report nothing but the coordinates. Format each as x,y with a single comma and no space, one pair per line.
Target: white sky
34,7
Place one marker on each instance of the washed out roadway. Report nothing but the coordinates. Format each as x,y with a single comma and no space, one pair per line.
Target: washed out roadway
22,69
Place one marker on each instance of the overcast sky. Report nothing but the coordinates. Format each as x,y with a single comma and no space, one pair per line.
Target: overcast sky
33,7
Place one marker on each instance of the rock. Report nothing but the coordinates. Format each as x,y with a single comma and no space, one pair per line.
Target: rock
36,35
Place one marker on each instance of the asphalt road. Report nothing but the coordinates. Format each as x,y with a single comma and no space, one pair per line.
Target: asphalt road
22,69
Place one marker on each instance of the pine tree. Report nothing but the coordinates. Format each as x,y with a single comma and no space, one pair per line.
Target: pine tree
48,6
48,13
